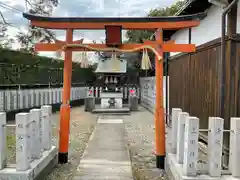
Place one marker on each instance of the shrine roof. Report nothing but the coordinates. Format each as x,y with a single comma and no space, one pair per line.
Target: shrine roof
198,16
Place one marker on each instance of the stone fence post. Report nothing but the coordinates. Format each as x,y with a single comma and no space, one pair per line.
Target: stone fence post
23,154
234,159
180,136
175,113
46,127
36,133
3,142
215,140
191,146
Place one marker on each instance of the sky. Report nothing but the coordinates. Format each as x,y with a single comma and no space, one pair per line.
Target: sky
84,8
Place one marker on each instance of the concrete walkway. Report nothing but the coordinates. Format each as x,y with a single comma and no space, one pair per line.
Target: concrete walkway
106,156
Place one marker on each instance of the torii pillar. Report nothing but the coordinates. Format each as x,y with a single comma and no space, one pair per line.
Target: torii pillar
65,107
159,109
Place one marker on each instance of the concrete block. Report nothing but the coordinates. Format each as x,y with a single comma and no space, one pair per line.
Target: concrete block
180,136
215,140
23,153
175,114
3,142
38,168
191,146
89,104
175,171
133,103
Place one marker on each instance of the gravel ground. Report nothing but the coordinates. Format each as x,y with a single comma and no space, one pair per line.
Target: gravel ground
139,130
139,136
82,125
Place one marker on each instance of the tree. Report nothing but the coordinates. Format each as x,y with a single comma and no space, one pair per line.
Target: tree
33,34
5,40
137,36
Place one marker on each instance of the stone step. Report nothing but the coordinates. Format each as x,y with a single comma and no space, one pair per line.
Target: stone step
112,111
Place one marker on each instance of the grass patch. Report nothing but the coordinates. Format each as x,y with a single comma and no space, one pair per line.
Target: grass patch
11,149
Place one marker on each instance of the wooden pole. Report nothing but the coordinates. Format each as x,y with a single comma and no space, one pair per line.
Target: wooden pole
65,107
159,110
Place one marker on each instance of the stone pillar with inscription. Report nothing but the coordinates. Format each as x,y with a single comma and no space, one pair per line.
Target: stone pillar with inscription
36,136
23,154
46,127
215,140
3,142
191,146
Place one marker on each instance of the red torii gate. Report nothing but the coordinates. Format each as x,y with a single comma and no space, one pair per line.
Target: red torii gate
113,27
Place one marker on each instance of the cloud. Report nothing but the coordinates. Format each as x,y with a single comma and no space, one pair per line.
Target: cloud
86,8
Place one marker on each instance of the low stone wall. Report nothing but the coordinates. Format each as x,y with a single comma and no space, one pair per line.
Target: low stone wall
182,160
11,100
148,92
34,150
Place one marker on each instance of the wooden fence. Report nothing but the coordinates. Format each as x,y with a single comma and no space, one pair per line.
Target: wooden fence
195,81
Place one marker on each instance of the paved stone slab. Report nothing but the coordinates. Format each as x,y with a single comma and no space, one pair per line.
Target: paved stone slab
106,156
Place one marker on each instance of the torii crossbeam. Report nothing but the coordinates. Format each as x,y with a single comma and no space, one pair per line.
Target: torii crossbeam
113,27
